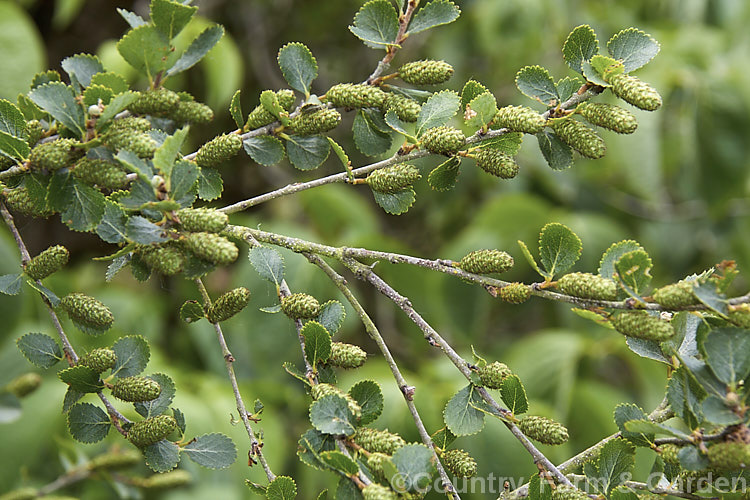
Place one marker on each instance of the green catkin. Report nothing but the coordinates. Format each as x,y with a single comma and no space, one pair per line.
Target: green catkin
486,262
25,384
129,124
496,163
564,492
459,463
202,219
167,480
377,441
314,122
346,355
212,247
519,119
155,102
406,109
635,91
47,263
375,463
669,453
443,140
740,315
729,456
426,72
320,390
260,116
115,460
87,310
99,360
676,295
192,112
543,429
152,430
579,137
300,306
135,389
140,143
609,116
393,179
515,293
587,286
34,131
642,325
166,259
355,95
375,491
55,155
19,200
228,305
218,150
493,374
102,173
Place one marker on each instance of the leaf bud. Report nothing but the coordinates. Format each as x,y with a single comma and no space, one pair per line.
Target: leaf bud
320,390
579,137
48,262
55,155
300,306
406,109
346,355
115,460
135,389
587,286
166,259
87,311
218,150
393,179
102,173
486,262
355,95
377,441
375,491
228,305
99,360
426,72
676,295
729,455
642,325
212,247
443,140
519,119
152,430
155,102
496,163
459,463
25,384
202,219
543,429
314,122
493,374
515,293
609,116
635,91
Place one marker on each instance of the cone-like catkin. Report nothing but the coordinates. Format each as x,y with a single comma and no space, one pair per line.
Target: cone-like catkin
493,374
642,325
139,143
87,311
202,219
152,430
300,306
375,463
228,305
515,293
579,137
486,262
676,295
375,491
543,429
212,247
496,163
167,480
155,102
393,179
443,140
114,460
99,360
102,173
564,492
315,122
129,124
35,132
609,116
192,112
635,91
48,262
134,389
166,259
55,155
426,72
346,355
740,315
19,200
25,384
320,390
669,453
218,150
406,109
459,463
729,456
260,116
376,441
355,95
519,119
587,286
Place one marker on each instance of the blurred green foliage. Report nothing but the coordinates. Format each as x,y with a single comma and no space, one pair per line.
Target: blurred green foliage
679,186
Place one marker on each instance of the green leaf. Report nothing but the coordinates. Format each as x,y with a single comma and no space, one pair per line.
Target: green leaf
339,462
443,438
88,423
197,50
433,14
298,66
133,19
116,83
484,109
708,295
268,263
161,404
115,106
11,120
307,152
685,395
600,68
613,254
147,50
369,138
535,82
331,415
615,463
84,207
634,272
162,456
415,465
210,184
214,451
531,260
13,147
580,46
317,342
168,152
196,268
10,284
625,412
558,154
82,379
691,459
633,47
717,412
58,100
191,311
264,149
728,354
568,86
538,489
646,427
235,109
171,17
331,315
112,227
514,395
376,24
559,248
650,349
438,109
444,176
46,293
80,68
393,121
183,180
141,230
368,395
117,265
460,414
471,89
132,354
395,203
71,397
623,493
10,408
281,488
41,350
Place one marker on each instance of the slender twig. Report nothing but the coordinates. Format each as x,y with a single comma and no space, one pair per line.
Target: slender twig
403,24
636,485
229,359
406,390
71,477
